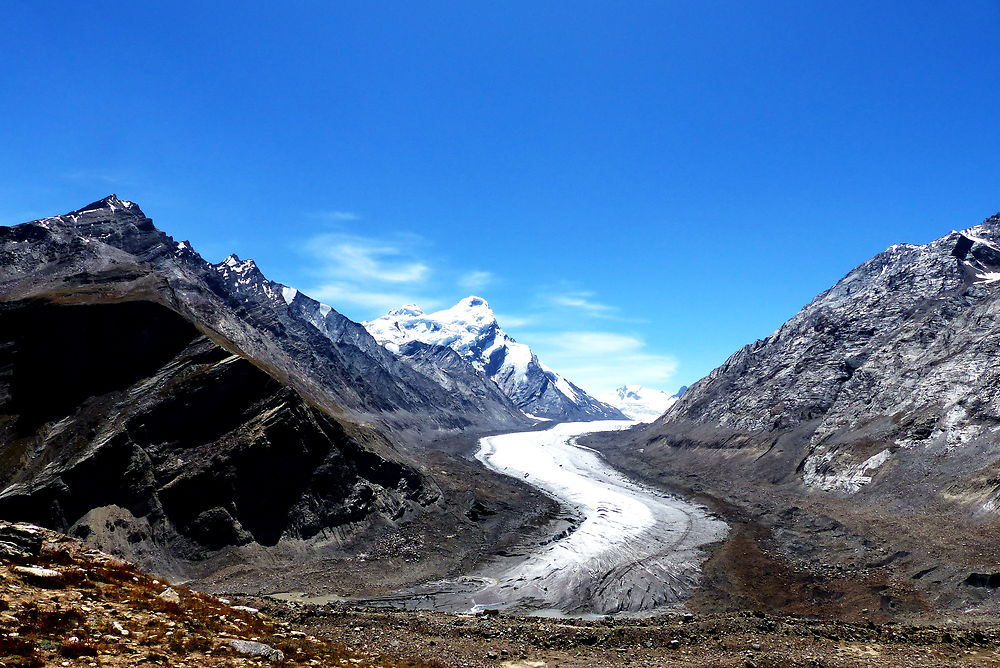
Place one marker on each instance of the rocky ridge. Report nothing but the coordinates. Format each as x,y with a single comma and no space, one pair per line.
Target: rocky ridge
190,416
895,361
860,439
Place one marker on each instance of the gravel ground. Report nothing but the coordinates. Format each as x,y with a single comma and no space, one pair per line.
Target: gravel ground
725,639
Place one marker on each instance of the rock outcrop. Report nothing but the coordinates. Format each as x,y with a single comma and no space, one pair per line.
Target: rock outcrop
859,442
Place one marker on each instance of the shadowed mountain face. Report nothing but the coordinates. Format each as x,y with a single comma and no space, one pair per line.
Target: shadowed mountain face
125,409
167,408
109,249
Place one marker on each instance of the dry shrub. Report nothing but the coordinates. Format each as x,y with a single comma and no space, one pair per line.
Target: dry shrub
16,647
50,622
74,650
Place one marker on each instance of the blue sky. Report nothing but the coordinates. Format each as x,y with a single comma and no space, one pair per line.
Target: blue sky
638,189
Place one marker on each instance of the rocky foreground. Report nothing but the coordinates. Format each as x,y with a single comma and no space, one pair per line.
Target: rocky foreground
62,604
66,605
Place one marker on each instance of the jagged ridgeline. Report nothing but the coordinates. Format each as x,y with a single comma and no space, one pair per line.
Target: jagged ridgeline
198,406
894,367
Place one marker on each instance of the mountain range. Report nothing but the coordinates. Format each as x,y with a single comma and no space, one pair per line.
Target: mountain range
470,328
640,403
209,423
148,397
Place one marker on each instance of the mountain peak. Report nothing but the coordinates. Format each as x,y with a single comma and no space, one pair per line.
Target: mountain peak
470,328
234,262
640,403
473,301
472,312
407,310
113,203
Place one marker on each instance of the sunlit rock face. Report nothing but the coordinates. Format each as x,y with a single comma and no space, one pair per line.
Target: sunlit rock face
890,376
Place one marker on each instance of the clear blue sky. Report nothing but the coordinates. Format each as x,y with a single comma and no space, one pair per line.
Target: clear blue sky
638,188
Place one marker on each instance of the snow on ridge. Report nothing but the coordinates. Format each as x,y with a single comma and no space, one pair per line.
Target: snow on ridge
471,329
459,327
639,403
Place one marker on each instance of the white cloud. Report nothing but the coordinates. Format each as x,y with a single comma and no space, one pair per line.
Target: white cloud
475,280
601,361
511,321
582,300
599,343
338,294
352,257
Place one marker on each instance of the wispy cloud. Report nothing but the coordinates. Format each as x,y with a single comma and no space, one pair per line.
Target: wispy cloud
583,301
353,258
367,275
475,280
599,361
339,293
338,216
509,322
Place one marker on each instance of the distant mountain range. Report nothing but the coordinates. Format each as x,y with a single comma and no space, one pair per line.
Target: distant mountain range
641,403
470,328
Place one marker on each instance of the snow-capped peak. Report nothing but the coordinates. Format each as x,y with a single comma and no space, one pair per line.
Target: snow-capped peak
470,328
474,311
406,310
459,327
640,403
235,264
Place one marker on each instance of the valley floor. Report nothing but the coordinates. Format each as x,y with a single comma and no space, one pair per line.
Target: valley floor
717,640
66,605
617,546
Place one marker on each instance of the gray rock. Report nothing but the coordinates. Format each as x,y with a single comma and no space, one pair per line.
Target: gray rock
170,595
887,378
168,391
19,541
251,648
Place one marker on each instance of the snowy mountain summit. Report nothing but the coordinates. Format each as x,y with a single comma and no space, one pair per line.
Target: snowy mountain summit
641,403
470,328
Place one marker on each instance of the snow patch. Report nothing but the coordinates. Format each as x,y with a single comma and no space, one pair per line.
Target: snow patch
988,277
289,294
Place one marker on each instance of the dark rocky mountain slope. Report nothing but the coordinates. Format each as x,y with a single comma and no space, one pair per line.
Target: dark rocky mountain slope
193,416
